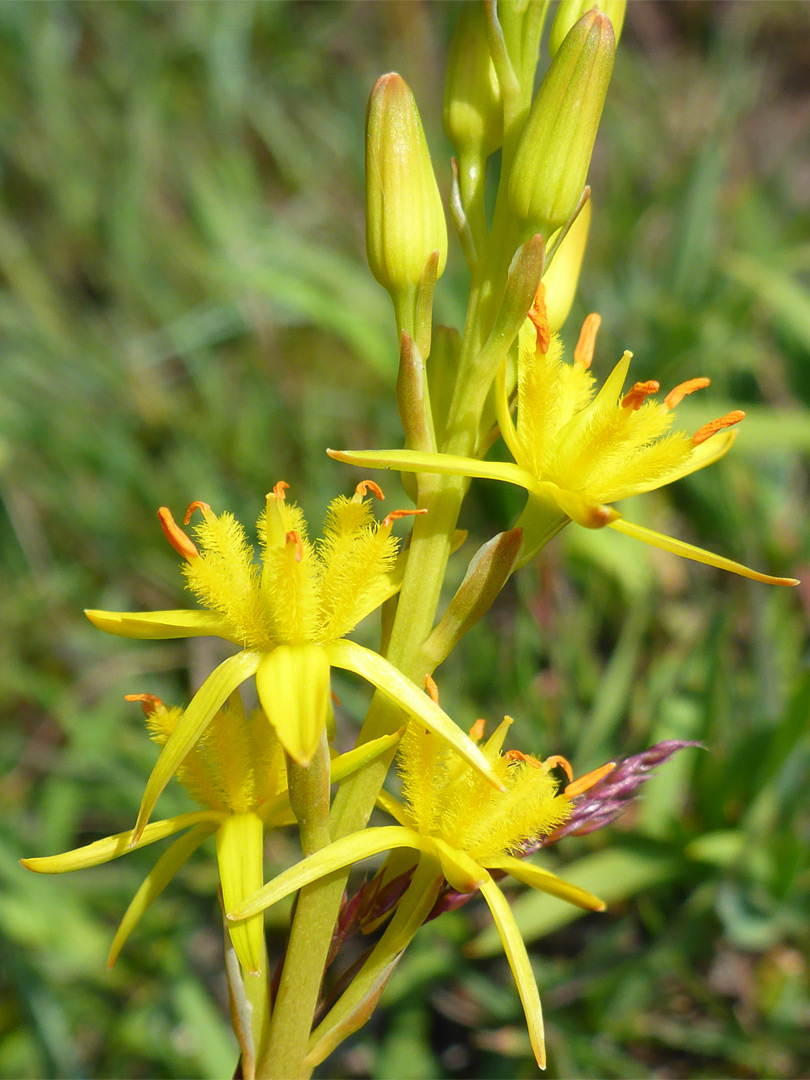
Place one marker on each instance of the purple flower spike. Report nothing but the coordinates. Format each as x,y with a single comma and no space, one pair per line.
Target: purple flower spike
605,801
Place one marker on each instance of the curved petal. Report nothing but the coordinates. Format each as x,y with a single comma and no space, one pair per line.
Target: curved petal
293,686
112,847
156,881
520,964
219,685
240,855
392,683
349,849
462,873
160,624
446,464
538,878
706,453
689,551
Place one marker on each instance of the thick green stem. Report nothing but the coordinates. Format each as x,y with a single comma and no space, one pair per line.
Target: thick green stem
307,948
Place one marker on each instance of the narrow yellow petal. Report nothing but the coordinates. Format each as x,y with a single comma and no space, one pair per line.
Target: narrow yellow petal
392,683
344,852
545,881
219,685
353,760
520,964
240,846
689,551
394,807
446,464
462,872
159,624
156,881
112,847
293,685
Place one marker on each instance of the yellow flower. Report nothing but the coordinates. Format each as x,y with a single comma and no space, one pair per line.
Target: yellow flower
577,450
462,828
236,771
289,614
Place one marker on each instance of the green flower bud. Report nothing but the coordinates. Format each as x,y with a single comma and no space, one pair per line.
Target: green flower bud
562,277
552,159
473,111
568,11
404,216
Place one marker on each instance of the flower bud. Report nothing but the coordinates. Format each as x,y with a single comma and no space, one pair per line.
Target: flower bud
562,277
568,11
404,216
552,159
473,112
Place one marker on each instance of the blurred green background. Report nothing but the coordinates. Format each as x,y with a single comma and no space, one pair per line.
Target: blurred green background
185,314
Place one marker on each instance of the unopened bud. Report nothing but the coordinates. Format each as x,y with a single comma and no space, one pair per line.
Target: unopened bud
552,159
473,111
404,216
569,11
562,276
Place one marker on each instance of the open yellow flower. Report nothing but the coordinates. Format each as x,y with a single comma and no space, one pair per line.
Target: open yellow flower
236,771
289,614
461,828
577,450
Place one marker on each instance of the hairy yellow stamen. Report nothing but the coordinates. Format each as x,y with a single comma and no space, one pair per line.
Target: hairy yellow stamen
583,353
539,317
706,432
589,780
175,535
638,394
679,392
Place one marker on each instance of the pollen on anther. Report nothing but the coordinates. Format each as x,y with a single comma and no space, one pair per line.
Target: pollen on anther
432,689
679,392
583,353
638,393
279,489
181,543
477,730
389,519
149,702
589,780
293,537
203,507
557,760
365,486
526,759
539,317
706,432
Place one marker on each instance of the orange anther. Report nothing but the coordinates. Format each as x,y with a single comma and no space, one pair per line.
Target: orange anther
365,486
557,760
583,353
518,755
293,537
432,689
279,489
638,393
149,703
477,730
537,313
175,535
586,782
389,519
706,432
203,507
678,393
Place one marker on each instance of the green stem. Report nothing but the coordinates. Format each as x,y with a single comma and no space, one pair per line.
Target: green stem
301,976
